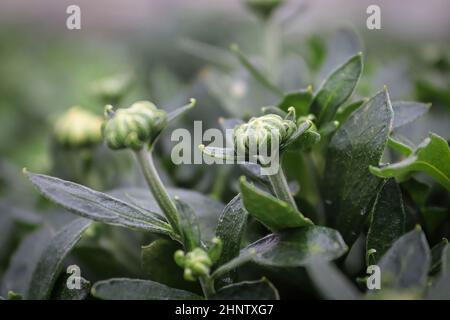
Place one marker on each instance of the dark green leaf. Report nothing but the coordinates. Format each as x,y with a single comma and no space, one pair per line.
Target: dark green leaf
190,230
445,267
437,256
136,289
96,205
336,89
418,191
431,156
159,265
206,209
231,228
349,186
270,211
62,292
345,111
407,111
434,217
248,290
331,282
300,100
52,257
387,221
405,265
298,247
17,277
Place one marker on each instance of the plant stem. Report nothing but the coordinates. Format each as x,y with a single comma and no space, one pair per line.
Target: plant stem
157,188
281,188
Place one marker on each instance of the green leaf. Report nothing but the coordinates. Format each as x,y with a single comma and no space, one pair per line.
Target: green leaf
273,213
345,111
434,217
405,265
298,247
387,221
206,209
336,89
441,287
418,191
96,205
61,291
437,256
180,111
248,290
136,289
431,156
407,111
332,283
445,266
300,100
190,230
50,262
399,146
261,78
159,265
17,277
349,187
231,229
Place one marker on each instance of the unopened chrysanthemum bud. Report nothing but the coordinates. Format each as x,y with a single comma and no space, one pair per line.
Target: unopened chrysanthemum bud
78,128
133,127
263,7
258,134
215,250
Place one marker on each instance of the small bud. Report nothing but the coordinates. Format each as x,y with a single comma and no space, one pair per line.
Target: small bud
215,250
257,134
264,8
179,258
78,128
195,263
133,127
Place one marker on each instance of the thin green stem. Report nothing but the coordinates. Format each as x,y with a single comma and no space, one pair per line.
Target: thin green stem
281,188
157,188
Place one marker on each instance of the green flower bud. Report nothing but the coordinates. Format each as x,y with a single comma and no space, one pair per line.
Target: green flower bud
180,258
133,127
215,250
78,128
257,134
195,263
263,7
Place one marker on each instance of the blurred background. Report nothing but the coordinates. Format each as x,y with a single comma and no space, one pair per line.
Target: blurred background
171,50
46,68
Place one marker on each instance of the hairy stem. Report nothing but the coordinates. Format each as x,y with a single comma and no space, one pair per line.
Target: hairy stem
281,188
157,188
